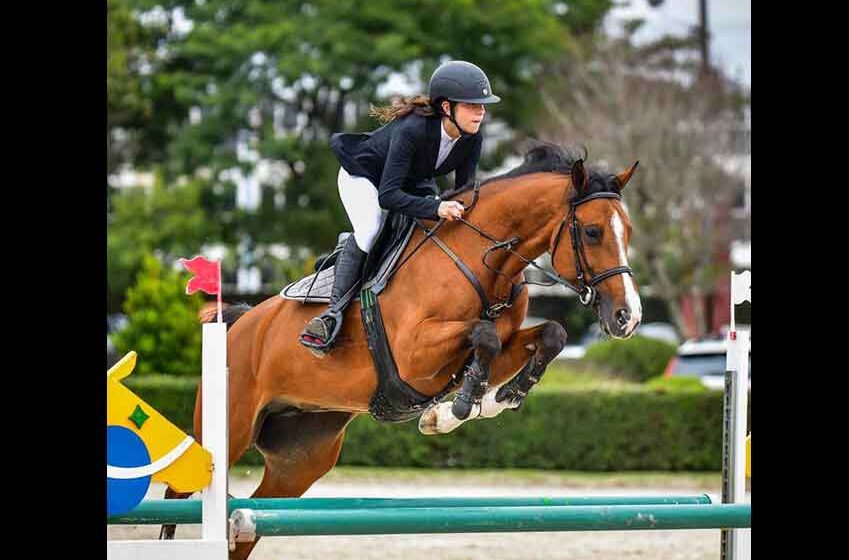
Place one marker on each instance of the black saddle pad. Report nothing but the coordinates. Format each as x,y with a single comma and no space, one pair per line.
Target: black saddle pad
391,242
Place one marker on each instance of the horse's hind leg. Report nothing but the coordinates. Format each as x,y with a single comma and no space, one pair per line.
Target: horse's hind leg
299,448
167,531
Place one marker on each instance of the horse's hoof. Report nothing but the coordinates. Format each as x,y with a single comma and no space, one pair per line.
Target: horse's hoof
166,533
427,422
438,419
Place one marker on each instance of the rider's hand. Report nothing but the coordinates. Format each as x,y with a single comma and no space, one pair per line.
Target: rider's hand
450,210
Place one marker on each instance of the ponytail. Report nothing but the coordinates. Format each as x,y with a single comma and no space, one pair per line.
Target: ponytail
401,107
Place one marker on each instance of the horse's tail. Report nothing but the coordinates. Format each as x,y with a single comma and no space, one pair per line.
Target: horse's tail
230,314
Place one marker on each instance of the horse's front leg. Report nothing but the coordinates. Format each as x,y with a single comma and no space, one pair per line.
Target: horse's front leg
446,416
535,347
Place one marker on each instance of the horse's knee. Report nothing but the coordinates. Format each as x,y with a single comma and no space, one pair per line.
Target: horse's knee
484,339
552,340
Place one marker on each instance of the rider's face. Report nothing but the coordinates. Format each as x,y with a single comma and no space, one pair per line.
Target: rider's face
468,115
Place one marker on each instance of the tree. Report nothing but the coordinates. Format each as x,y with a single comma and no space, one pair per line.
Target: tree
650,103
168,220
241,63
259,86
163,322
279,77
126,103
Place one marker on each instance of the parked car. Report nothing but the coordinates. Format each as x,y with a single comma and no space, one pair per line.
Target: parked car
704,358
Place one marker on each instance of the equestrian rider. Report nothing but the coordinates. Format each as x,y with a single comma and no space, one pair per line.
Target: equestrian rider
392,169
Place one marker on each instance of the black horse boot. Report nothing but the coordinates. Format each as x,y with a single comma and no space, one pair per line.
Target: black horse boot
321,331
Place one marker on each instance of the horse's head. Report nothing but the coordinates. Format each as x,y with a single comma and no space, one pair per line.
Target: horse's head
590,249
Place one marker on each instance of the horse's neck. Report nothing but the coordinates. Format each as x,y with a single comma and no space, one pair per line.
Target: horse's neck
527,207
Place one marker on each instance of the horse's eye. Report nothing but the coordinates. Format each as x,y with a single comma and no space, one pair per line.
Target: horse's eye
593,232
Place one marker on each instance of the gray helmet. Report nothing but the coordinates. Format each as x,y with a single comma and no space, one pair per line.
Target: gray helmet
458,80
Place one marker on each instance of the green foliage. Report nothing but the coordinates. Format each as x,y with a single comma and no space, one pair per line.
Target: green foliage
577,319
580,375
169,220
586,430
163,325
676,383
127,105
638,358
173,396
279,78
313,215
238,55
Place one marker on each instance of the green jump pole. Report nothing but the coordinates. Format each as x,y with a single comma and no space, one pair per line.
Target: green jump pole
156,512
249,524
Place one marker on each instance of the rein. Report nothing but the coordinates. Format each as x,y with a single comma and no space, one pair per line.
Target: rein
585,288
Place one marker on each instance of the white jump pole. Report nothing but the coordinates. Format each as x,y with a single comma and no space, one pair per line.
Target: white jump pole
215,437
735,542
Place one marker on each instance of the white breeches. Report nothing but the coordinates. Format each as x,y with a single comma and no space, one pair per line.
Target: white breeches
359,197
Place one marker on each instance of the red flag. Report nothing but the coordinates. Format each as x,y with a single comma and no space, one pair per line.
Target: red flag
207,275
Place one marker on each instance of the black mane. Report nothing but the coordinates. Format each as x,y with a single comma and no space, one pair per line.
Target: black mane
545,157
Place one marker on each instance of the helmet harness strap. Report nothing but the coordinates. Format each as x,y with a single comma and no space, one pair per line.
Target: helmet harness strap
453,119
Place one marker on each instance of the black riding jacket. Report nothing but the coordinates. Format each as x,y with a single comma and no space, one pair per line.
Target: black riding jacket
399,157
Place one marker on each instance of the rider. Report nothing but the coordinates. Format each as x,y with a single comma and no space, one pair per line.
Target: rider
392,170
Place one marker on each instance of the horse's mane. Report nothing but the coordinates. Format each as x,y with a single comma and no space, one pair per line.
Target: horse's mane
545,157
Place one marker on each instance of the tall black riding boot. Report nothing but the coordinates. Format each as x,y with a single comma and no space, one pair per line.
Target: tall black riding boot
321,331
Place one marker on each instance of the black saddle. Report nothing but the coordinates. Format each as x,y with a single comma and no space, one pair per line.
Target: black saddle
391,242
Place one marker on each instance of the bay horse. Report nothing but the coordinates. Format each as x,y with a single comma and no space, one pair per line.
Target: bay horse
295,406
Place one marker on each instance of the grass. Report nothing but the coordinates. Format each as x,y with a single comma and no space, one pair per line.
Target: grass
579,375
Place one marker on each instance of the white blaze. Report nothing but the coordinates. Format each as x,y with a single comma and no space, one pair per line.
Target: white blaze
632,298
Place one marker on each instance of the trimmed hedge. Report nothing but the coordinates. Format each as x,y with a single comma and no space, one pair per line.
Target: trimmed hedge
665,430
639,358
173,396
677,383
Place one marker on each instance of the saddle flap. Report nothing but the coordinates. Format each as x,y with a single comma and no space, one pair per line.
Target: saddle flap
392,240
400,232
314,288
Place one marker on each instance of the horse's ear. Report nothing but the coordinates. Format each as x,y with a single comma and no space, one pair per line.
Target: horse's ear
580,179
625,176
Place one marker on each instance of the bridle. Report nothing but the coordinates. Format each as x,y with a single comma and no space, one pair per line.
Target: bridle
586,286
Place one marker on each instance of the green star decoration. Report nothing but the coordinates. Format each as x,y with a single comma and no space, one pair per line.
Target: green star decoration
139,416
